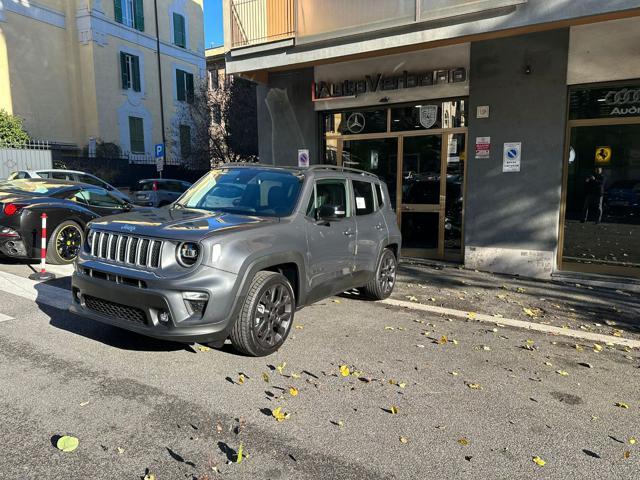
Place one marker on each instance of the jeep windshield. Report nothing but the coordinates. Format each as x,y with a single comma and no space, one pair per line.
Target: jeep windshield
245,191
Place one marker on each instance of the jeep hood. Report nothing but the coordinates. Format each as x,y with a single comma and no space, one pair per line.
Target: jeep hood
178,223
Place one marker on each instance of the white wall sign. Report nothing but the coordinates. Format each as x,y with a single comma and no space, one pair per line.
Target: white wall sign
482,111
303,157
483,147
511,157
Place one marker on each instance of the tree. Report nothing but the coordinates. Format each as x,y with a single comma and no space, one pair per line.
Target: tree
222,122
12,133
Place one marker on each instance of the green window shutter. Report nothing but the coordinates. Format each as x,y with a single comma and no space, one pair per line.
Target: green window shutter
123,71
135,63
136,135
138,14
179,30
117,7
189,87
180,85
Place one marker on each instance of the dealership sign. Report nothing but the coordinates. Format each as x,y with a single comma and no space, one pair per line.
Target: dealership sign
323,90
604,102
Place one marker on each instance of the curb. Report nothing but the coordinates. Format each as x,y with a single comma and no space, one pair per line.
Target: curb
480,317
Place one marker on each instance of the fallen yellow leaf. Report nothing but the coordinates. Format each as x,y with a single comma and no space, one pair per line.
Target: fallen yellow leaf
299,327
67,443
240,454
622,405
404,440
548,364
344,370
455,374
293,391
463,441
562,373
393,410
149,476
443,340
529,312
280,367
203,348
633,441
279,415
402,384
336,301
538,461
389,328
597,347
265,377
120,450
626,454
295,375
474,386
241,379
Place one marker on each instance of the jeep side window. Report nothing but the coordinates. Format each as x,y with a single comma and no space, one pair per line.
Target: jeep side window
379,196
363,191
330,192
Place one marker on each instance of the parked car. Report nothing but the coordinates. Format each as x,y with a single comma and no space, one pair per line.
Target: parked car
623,196
215,266
69,207
69,175
158,192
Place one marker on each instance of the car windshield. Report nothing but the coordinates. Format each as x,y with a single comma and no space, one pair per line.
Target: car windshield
245,191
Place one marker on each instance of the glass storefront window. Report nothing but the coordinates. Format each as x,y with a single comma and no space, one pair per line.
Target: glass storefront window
605,102
354,122
429,115
421,164
602,220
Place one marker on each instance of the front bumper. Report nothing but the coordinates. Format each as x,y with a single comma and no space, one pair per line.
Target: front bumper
118,297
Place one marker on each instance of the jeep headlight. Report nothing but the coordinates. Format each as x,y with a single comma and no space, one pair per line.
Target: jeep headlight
188,253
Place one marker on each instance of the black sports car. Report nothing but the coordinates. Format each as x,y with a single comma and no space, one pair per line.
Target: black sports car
68,205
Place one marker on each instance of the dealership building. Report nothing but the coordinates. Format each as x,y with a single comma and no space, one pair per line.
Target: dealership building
507,131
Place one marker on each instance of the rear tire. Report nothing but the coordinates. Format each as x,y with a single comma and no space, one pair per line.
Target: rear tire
266,316
382,283
65,243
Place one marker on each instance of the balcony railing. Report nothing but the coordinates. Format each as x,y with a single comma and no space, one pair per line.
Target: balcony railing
255,22
261,21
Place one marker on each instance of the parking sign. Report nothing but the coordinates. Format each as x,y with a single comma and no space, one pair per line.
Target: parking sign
159,150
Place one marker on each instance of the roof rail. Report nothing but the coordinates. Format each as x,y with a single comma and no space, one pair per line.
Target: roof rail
340,168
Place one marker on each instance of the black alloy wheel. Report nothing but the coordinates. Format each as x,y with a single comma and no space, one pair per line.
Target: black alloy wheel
273,314
68,242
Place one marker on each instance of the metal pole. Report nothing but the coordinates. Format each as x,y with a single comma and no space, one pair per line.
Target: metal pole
155,10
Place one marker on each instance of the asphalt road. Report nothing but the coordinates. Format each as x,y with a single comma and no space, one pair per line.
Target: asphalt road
139,405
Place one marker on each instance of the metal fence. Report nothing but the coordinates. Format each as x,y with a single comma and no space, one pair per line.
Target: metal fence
27,156
260,21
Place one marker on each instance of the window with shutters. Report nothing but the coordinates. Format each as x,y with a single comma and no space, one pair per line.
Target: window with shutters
136,134
130,13
185,141
179,30
130,70
184,86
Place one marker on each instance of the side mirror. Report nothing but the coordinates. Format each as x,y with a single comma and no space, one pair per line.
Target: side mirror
330,212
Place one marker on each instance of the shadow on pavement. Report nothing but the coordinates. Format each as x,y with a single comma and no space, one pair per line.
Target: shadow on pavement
106,334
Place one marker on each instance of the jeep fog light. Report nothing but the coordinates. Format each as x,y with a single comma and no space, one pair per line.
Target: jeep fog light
163,316
195,302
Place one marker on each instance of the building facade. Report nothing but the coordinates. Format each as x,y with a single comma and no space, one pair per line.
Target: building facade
81,72
508,131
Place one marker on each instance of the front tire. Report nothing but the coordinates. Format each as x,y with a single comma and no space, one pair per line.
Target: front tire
65,243
382,283
266,316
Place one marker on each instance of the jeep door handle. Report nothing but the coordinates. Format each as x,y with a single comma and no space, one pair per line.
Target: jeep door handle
349,232
379,226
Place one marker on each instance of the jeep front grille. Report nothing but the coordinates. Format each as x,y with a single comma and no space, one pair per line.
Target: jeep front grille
127,249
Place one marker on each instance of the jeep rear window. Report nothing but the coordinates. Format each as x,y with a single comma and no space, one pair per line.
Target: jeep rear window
245,191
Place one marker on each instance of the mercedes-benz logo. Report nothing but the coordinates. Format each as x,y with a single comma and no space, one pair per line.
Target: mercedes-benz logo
355,122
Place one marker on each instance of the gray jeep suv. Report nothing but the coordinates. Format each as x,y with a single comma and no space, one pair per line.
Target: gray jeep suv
238,254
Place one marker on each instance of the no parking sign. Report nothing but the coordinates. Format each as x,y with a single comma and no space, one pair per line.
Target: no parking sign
511,157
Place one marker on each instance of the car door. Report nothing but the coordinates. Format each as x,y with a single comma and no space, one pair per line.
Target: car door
371,229
331,244
100,201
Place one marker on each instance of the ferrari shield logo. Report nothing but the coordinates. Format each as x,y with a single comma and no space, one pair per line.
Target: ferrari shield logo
428,115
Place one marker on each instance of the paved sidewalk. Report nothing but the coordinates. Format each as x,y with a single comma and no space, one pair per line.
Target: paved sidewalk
574,306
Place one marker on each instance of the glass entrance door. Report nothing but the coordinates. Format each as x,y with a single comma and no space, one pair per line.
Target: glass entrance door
426,187
432,196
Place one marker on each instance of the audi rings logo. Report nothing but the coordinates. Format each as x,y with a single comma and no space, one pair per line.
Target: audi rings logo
355,122
623,97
